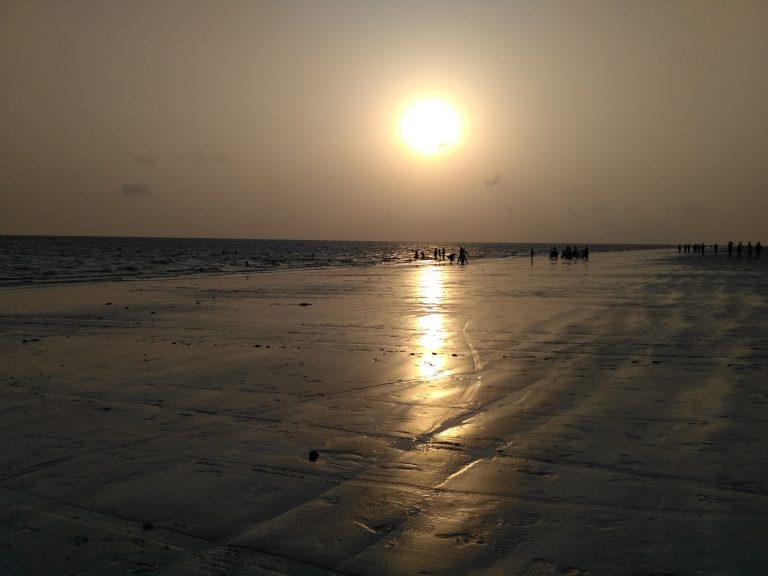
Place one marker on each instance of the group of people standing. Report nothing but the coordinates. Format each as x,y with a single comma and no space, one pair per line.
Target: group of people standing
568,253
439,254
739,248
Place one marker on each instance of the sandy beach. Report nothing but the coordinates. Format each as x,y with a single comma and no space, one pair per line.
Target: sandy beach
568,418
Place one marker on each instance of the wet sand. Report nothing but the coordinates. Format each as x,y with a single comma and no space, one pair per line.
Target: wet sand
573,418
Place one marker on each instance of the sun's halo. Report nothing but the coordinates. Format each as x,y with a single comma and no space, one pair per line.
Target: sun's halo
431,125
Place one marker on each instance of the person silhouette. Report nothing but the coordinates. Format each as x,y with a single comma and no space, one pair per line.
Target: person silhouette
730,248
739,249
758,249
749,250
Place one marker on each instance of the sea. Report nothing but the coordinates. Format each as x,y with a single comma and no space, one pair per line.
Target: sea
33,260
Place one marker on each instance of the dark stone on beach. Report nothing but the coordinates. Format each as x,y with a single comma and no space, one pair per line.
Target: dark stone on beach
147,526
313,455
305,304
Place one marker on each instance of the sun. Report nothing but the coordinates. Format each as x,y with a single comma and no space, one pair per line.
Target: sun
430,126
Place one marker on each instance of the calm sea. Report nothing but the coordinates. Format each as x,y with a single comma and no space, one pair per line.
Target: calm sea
51,259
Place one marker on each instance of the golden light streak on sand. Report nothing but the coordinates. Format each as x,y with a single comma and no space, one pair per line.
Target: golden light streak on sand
431,325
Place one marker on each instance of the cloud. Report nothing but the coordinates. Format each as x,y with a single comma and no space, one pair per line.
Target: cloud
144,159
691,210
210,158
136,190
495,181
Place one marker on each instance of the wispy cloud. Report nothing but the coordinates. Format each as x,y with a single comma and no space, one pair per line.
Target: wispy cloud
209,157
692,210
136,190
495,181
144,159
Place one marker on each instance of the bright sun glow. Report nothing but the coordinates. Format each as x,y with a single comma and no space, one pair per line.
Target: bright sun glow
429,126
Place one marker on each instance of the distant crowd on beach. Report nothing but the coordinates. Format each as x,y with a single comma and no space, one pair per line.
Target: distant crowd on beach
568,253
739,249
462,257
439,254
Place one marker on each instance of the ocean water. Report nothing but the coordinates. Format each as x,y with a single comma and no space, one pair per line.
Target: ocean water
51,259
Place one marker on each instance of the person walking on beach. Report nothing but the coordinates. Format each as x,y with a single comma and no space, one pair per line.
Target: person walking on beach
739,248
749,250
463,255
730,249
758,249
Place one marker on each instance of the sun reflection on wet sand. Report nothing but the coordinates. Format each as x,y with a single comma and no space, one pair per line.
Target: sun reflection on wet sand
432,339
449,394
431,324
430,286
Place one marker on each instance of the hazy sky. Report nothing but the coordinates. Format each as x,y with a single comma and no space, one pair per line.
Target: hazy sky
582,121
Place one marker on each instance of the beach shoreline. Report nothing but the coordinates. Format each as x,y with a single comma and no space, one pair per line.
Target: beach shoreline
508,416
43,260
